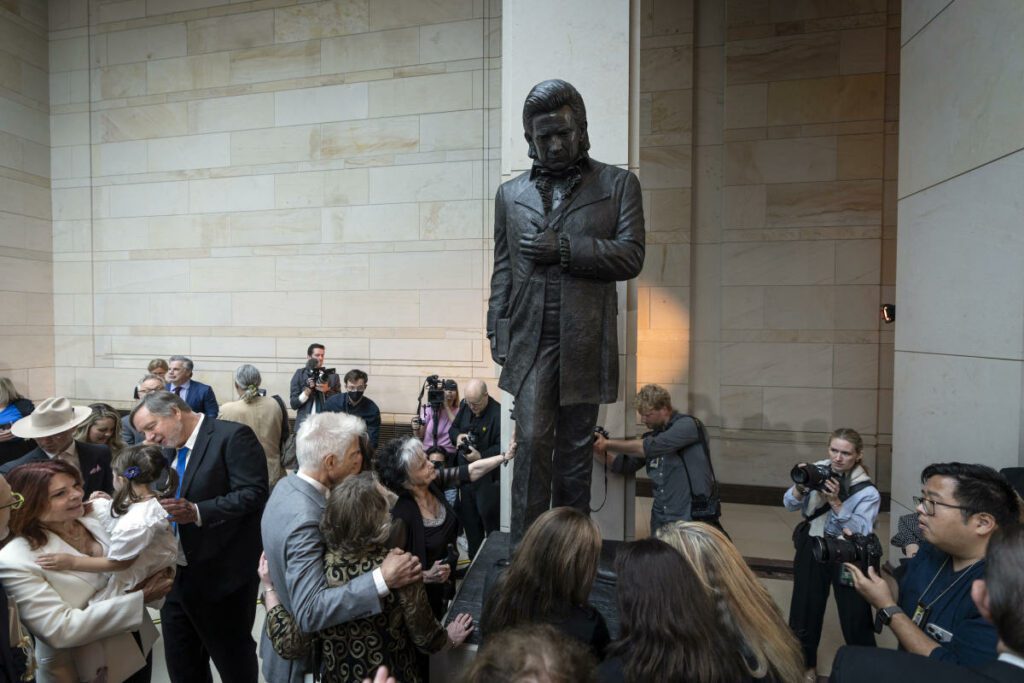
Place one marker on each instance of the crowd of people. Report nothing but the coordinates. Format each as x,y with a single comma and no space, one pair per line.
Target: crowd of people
194,508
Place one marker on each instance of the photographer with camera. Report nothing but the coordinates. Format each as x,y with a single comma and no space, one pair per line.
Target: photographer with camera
832,495
677,458
476,433
312,384
434,419
960,507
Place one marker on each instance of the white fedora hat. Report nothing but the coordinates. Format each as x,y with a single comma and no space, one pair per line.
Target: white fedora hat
52,416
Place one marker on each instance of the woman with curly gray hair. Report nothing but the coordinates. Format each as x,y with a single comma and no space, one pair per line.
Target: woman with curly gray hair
424,522
265,415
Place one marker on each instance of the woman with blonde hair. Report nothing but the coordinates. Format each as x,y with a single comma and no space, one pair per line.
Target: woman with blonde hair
769,648
103,427
549,580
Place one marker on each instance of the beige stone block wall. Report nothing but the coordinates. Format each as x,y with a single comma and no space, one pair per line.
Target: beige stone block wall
26,246
770,207
237,180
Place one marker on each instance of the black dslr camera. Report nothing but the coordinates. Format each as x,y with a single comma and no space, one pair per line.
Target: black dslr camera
317,374
436,388
863,551
467,444
812,476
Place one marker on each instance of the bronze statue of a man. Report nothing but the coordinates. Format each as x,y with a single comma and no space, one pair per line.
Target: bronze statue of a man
564,234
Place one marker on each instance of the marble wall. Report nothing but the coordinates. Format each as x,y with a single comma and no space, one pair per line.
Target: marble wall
26,280
235,181
778,272
959,361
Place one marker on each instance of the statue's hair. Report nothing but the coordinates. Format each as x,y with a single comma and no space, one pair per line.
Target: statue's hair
548,96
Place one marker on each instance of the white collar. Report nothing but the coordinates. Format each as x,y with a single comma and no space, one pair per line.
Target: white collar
323,490
72,449
1012,659
191,443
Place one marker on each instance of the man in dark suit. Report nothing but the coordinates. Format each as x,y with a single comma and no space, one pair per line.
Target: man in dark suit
564,233
147,385
223,487
198,396
307,395
998,598
52,425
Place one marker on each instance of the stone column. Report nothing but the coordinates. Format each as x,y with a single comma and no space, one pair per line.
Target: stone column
588,43
959,367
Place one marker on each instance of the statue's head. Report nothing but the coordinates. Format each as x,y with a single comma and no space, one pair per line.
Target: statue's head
555,124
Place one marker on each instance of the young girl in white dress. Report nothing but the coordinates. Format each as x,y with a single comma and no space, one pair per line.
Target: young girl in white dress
142,541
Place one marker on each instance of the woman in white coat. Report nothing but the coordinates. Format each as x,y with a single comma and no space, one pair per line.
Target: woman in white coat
75,640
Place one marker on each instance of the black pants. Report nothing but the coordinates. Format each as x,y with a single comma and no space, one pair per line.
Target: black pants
479,510
811,581
197,629
554,457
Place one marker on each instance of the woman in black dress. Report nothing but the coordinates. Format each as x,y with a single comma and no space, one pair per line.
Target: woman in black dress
423,522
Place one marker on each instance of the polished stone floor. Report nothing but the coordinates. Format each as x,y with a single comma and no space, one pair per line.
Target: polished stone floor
759,532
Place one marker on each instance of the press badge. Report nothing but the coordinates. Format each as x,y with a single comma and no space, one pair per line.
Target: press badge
920,614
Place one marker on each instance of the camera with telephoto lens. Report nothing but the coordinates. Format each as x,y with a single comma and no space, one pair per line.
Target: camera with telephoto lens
436,388
812,476
468,444
863,551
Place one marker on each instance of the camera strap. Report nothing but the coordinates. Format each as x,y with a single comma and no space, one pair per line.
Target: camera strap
703,440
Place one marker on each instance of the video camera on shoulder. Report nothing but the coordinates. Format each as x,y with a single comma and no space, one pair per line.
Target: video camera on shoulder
812,476
859,549
436,388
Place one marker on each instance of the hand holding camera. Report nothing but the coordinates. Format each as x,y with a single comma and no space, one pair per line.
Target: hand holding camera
813,477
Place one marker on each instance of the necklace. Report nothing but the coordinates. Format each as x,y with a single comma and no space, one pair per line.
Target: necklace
955,582
78,537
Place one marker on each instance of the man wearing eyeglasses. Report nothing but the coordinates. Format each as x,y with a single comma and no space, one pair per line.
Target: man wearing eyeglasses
480,416
12,657
959,509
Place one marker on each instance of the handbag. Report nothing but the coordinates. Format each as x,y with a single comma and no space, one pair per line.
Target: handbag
287,458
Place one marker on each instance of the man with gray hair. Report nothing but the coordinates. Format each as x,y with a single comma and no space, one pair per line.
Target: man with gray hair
328,451
198,396
222,489
147,385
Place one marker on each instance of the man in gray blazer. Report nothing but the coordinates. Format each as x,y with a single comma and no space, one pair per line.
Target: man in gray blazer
327,448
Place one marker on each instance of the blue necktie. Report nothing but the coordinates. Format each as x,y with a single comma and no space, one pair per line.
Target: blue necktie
180,466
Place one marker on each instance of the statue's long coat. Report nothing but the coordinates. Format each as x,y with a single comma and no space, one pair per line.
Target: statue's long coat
605,225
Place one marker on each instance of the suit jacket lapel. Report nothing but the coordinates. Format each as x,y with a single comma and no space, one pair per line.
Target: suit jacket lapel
196,456
530,198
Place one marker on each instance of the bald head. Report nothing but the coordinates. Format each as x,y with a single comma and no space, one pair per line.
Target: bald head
476,395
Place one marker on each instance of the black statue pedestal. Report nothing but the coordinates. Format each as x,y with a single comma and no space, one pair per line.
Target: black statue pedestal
470,595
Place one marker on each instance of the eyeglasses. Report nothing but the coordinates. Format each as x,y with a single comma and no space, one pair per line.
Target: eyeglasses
17,500
928,505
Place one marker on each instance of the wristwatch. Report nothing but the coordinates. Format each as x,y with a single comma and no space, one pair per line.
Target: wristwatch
884,616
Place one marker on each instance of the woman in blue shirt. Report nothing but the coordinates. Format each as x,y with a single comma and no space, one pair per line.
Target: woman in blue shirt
13,407
848,501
